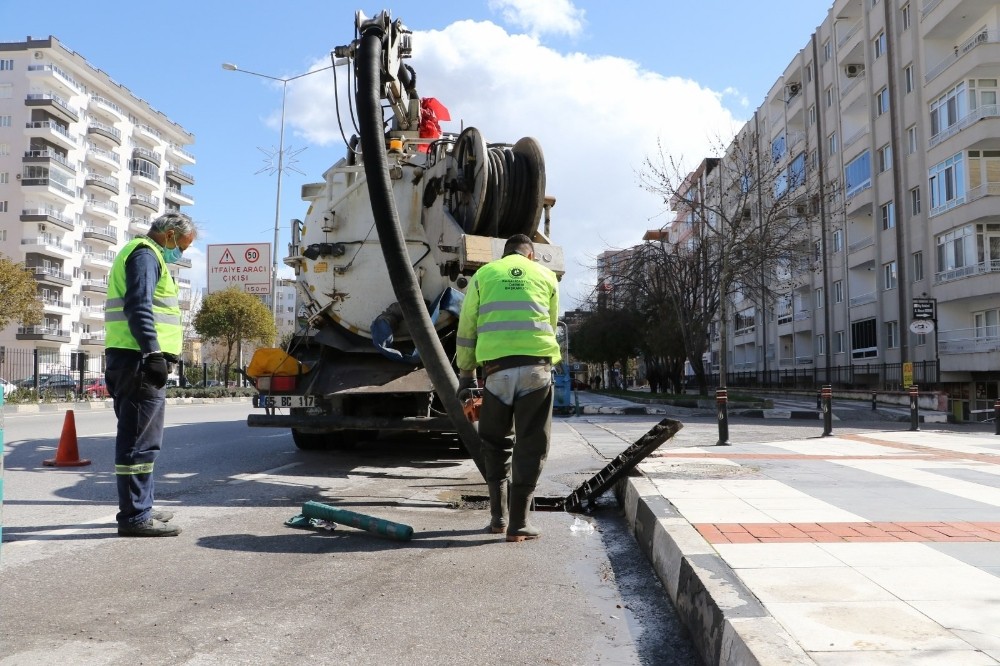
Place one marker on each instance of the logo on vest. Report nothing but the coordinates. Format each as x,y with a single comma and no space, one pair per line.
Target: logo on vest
516,272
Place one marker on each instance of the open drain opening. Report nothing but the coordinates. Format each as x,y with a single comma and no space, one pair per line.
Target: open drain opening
538,503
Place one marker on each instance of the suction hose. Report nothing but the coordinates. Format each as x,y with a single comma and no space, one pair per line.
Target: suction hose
404,282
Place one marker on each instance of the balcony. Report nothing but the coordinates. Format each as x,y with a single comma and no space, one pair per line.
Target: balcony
173,173
105,209
54,105
91,339
145,201
969,349
148,134
106,183
47,245
51,334
984,134
48,216
146,154
177,196
183,262
104,234
47,157
855,137
95,286
101,260
104,132
106,108
861,243
844,36
50,187
107,157
139,225
52,132
92,312
55,306
979,39
48,73
180,154
51,275
863,299
144,180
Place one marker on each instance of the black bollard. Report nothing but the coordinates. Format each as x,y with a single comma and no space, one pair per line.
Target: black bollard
827,394
874,395
996,416
819,399
914,408
721,402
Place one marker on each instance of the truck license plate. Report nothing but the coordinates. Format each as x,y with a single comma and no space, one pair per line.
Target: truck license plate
284,401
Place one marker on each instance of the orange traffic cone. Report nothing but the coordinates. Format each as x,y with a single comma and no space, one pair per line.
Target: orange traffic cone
67,454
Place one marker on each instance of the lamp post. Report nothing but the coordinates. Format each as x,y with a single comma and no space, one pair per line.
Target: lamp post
228,66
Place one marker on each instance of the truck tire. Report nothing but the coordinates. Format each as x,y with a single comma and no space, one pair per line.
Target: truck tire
339,440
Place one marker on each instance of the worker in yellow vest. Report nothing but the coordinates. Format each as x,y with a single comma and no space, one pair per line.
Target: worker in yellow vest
143,335
507,325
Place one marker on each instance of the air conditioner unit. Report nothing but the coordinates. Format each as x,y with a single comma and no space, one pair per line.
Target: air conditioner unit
800,210
854,70
42,227
793,89
39,55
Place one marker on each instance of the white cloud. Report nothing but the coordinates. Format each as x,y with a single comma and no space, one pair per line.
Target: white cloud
538,17
597,118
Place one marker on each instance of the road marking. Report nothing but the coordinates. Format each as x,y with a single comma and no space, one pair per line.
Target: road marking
243,478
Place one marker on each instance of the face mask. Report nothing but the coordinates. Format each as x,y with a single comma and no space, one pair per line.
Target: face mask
172,255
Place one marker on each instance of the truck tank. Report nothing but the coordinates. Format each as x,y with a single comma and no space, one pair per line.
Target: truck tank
383,256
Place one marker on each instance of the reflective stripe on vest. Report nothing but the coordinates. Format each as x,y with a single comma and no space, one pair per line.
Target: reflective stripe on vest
166,308
129,470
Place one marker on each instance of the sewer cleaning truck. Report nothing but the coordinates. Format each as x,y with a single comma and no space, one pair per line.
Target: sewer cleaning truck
389,240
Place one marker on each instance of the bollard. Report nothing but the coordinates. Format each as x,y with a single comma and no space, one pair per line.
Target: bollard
827,393
874,395
819,399
914,408
996,420
721,403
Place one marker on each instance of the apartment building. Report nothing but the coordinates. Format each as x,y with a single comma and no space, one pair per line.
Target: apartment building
887,126
85,165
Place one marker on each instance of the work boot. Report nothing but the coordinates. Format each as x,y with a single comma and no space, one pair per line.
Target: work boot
519,529
498,506
161,515
148,528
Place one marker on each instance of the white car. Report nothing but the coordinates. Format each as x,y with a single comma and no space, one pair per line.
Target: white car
8,387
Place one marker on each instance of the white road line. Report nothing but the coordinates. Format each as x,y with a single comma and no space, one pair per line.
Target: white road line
243,478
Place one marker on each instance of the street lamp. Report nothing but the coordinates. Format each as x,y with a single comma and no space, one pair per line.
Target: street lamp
228,66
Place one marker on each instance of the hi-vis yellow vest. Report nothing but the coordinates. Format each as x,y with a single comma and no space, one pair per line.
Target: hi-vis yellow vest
166,310
511,308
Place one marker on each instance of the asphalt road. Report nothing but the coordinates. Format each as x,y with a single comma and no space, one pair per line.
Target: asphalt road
240,587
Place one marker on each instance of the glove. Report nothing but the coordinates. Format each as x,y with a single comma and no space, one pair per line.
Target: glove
154,370
465,386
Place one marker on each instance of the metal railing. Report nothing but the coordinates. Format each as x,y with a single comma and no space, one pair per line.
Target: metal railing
974,116
863,299
981,37
989,266
969,340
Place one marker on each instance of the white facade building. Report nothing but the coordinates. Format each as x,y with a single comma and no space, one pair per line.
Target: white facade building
85,165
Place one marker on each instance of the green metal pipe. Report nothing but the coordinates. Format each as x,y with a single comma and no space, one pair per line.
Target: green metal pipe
387,528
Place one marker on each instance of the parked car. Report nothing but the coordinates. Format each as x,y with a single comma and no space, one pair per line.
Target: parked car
29,382
96,388
64,385
8,387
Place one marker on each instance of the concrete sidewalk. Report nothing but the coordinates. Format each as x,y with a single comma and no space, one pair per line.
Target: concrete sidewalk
869,549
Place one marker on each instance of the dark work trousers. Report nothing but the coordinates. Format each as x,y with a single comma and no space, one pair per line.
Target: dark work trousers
515,424
140,409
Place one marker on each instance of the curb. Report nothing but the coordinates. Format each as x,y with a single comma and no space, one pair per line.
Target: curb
726,622
87,405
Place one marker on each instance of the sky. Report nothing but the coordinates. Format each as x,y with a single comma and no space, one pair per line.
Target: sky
602,86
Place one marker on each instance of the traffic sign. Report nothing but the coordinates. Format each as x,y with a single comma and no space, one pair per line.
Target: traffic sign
243,265
922,326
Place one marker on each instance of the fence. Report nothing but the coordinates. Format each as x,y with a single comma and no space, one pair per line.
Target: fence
878,376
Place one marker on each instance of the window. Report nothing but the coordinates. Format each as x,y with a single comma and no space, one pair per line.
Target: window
832,143
4,177
882,101
905,13
812,114
858,174
911,139
918,266
915,201
838,291
814,158
908,79
884,158
838,342
864,338
948,109
982,92
956,250
820,299
889,275
4,121
838,241
4,149
809,73
821,345
6,64
887,213
817,250
6,90
797,171
878,45
827,50
891,334
946,183
778,148
3,206
986,323
829,97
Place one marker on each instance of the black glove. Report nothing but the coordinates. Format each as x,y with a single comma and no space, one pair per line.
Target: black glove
154,370
465,386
